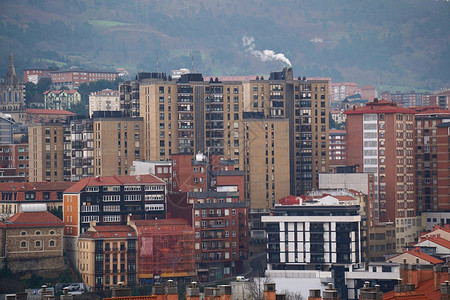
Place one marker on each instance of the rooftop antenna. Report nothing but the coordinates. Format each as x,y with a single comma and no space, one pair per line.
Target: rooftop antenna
157,63
381,84
192,57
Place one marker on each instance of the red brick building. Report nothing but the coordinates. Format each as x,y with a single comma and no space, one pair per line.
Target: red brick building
337,148
33,75
37,115
432,160
73,78
221,233
219,214
165,248
441,99
380,139
14,163
14,193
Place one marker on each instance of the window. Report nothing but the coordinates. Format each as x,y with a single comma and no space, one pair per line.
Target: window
51,243
23,244
38,243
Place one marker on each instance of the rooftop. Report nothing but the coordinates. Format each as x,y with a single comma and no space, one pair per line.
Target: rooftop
114,180
379,106
34,219
40,111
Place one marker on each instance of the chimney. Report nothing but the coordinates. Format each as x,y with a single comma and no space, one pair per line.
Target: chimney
46,294
269,291
121,291
192,291
330,293
159,292
314,295
65,295
211,293
171,291
225,292
445,290
368,293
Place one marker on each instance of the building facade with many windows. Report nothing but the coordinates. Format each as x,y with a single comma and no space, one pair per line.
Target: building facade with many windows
108,201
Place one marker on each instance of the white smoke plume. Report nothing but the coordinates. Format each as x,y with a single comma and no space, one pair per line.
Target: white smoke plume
265,55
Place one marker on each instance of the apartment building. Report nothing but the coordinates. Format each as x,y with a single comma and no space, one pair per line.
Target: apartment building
109,200
46,150
380,139
432,160
220,221
105,100
441,99
15,194
337,149
266,164
35,74
165,249
314,239
190,116
73,78
107,256
14,162
61,100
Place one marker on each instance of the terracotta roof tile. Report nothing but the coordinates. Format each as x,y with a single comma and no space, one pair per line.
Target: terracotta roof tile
437,240
418,253
31,219
40,111
35,186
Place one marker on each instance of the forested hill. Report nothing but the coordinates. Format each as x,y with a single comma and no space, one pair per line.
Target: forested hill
407,43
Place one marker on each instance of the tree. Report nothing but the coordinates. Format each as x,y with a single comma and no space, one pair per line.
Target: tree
255,288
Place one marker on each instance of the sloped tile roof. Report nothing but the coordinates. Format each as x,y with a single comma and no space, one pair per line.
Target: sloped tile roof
34,219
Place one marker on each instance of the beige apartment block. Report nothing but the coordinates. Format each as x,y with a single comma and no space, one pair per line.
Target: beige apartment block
266,165
105,100
45,145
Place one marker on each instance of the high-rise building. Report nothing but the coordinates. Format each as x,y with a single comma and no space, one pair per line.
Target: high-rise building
380,140
190,116
46,151
432,160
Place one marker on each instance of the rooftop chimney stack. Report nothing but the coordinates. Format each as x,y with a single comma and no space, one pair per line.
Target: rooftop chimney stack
330,293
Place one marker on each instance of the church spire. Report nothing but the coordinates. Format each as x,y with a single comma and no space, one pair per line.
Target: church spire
11,76
11,58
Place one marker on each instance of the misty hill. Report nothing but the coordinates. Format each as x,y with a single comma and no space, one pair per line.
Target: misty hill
408,42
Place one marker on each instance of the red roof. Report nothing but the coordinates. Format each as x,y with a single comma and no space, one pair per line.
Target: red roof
379,106
418,253
113,231
39,111
32,219
437,240
114,180
35,186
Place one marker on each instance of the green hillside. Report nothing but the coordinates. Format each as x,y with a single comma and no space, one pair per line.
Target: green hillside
405,42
